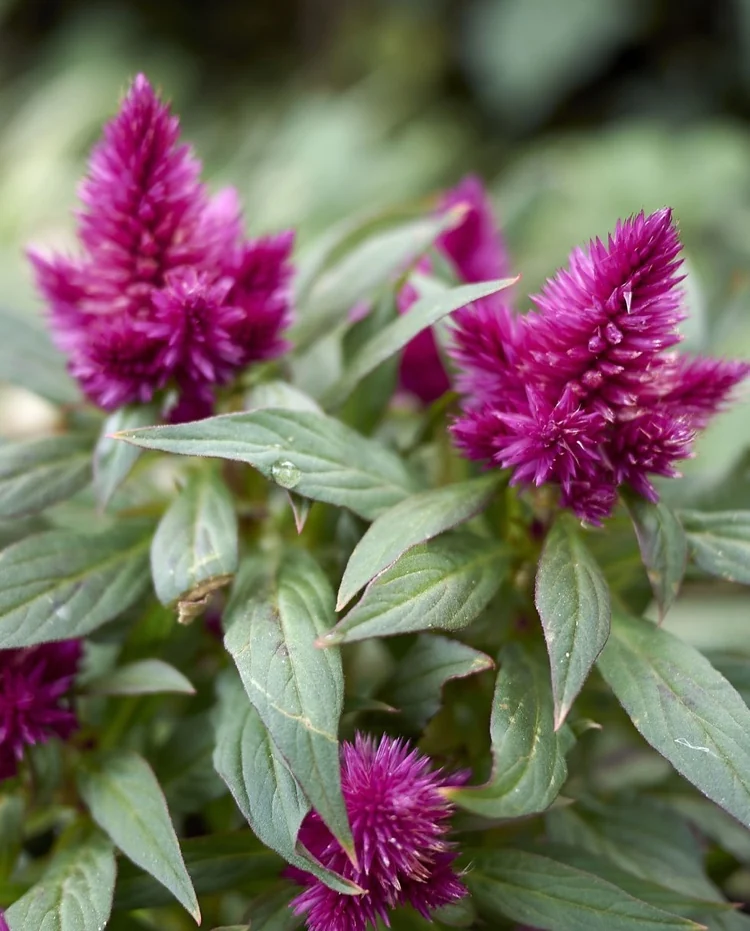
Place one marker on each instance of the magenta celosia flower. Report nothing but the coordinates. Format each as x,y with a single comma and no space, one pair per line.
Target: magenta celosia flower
399,820
34,684
167,292
475,250
586,392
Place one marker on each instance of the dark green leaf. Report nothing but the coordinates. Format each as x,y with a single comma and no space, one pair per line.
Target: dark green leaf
258,777
75,894
374,262
663,547
417,682
684,708
316,456
297,689
734,668
29,359
194,550
60,584
12,813
184,765
529,765
270,911
572,599
443,584
148,676
215,864
113,460
125,800
553,896
392,338
418,518
36,474
720,542
715,824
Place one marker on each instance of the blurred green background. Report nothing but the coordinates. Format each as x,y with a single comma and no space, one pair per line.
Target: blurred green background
576,112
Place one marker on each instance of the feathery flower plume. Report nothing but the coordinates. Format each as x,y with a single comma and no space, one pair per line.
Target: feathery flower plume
399,821
584,392
475,249
166,292
34,682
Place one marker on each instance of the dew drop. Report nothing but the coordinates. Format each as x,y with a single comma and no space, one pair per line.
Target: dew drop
285,473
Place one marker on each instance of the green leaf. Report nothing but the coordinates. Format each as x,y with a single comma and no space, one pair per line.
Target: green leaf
393,337
12,815
374,262
125,800
528,755
29,359
720,543
553,896
280,394
645,889
572,599
715,824
194,550
684,708
418,518
60,584
217,863
417,683
663,546
443,584
146,677
297,690
113,460
266,792
316,456
270,911
36,474
75,894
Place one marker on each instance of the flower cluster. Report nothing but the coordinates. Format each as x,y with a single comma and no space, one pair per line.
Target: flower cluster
34,684
584,392
167,292
475,250
399,820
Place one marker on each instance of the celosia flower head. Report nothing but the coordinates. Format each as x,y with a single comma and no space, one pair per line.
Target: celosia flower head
399,820
586,392
476,251
167,291
34,684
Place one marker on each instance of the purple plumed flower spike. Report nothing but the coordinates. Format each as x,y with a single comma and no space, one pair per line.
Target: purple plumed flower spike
399,820
587,392
34,684
167,291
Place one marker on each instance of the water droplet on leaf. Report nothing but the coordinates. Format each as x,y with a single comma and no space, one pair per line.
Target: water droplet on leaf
285,473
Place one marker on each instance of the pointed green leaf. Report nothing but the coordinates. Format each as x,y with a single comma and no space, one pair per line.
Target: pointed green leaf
316,456
417,683
534,889
572,599
443,584
393,337
684,708
663,546
420,517
113,460
36,474
372,263
59,584
217,863
297,690
126,801
75,894
528,755
146,677
194,549
266,792
720,543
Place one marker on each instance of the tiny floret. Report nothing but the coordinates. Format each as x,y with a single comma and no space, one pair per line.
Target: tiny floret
587,391
166,291
399,820
34,698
